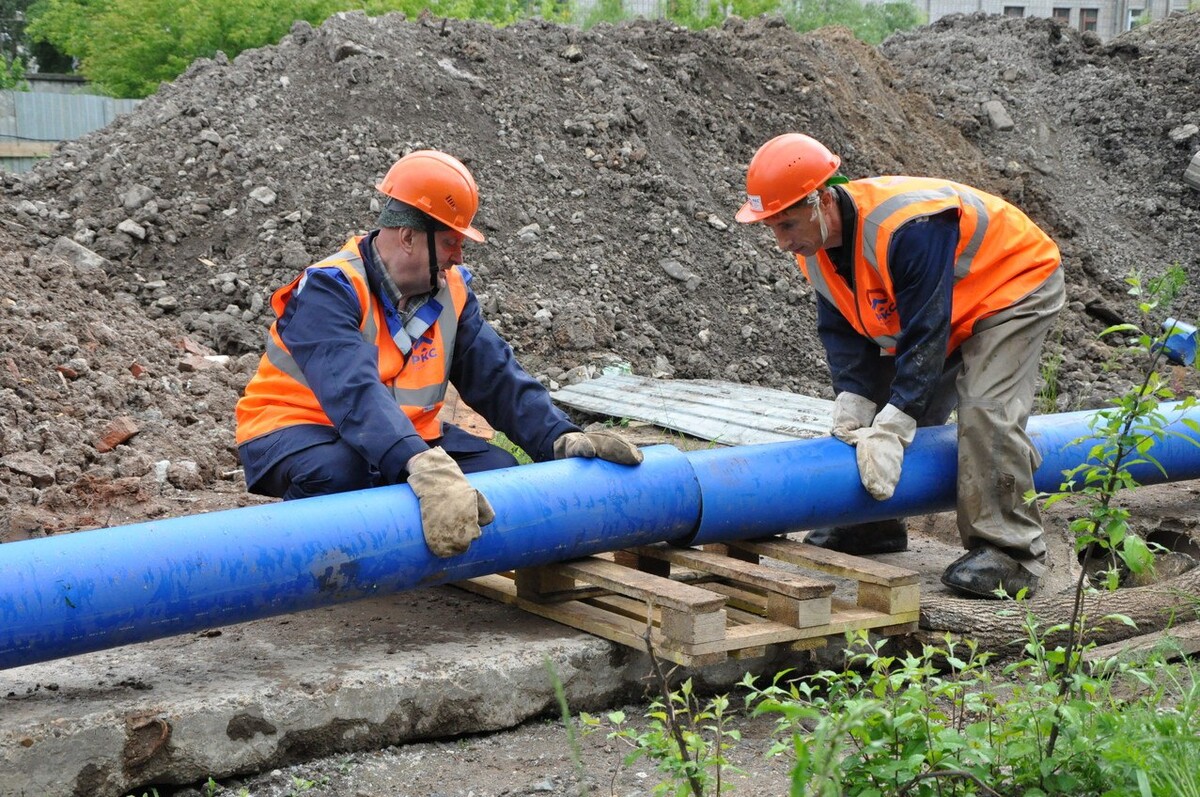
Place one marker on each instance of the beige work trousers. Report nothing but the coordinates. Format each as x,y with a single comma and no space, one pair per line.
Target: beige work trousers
1001,364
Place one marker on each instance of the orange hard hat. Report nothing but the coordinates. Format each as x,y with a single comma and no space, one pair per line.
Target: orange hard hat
783,171
437,184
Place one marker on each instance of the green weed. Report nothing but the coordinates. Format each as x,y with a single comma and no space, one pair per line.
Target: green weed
500,440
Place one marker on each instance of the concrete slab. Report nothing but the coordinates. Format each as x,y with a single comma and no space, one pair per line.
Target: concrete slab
424,664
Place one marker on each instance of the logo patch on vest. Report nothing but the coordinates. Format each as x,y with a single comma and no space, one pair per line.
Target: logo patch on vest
423,350
881,305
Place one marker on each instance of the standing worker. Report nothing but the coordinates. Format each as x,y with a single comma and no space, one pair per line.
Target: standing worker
930,295
358,359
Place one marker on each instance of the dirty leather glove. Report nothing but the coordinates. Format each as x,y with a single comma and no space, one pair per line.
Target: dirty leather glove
850,413
451,509
606,445
880,450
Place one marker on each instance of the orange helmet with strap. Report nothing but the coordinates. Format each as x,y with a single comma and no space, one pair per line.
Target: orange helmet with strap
783,171
438,185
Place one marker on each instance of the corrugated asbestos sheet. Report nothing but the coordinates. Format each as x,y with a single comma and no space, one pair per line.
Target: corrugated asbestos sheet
724,412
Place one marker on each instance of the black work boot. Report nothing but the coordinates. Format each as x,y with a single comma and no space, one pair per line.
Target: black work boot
862,539
983,570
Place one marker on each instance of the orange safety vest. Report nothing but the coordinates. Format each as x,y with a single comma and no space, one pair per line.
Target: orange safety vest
414,363
1001,257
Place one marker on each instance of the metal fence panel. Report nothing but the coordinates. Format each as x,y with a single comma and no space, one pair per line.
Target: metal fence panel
31,123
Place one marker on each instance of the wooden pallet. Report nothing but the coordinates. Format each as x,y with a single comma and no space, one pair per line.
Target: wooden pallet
703,607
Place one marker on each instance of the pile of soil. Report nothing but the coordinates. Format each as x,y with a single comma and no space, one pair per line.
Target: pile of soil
610,161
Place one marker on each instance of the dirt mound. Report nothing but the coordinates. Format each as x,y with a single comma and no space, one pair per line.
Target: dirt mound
1101,136
610,162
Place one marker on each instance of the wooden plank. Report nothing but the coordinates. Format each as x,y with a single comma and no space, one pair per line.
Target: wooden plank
636,584
780,608
26,149
889,600
744,599
732,553
763,632
1182,640
857,568
798,613
536,583
599,622
496,587
611,618
755,575
693,629
644,563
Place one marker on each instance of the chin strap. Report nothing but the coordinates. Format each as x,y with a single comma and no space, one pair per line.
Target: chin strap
433,264
818,213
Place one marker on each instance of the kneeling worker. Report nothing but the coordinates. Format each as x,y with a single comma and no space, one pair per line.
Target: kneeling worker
358,359
930,294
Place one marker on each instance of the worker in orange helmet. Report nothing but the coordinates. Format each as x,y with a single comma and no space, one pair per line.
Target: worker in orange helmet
359,357
931,295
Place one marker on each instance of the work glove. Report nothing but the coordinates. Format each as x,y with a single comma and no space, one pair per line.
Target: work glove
880,450
604,444
851,412
451,509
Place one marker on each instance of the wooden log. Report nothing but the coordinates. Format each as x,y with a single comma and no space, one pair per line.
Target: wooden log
1177,641
998,626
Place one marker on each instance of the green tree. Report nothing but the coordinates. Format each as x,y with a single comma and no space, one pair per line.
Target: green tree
694,14
15,47
870,22
127,47
12,28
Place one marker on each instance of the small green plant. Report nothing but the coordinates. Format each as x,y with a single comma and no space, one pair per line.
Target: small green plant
1052,360
685,739
500,440
949,721
1125,436
300,784
572,734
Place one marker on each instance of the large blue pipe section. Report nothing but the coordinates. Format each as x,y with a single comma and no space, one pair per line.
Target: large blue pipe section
99,589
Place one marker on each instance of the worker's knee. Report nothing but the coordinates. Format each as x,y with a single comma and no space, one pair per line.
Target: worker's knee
322,470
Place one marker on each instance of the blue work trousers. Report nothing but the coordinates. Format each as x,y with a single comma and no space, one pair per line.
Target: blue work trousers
335,467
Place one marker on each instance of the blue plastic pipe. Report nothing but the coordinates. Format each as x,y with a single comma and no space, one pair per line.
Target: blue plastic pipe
813,483
75,593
